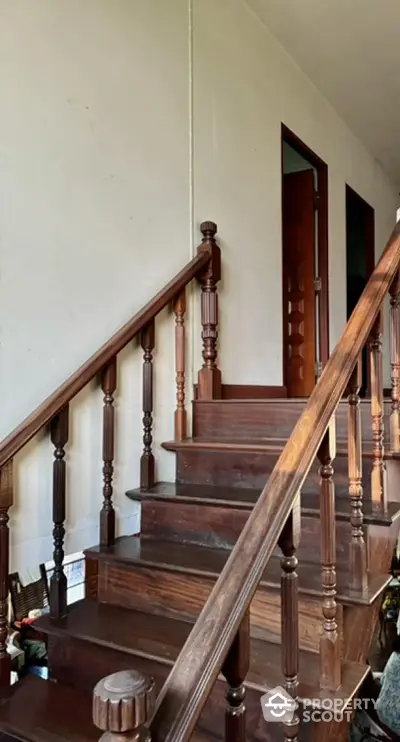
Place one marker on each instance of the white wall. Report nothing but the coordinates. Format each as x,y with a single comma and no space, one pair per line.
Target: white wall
122,126
245,85
94,219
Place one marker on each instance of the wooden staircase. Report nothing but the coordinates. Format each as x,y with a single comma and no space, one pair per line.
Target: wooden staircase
148,604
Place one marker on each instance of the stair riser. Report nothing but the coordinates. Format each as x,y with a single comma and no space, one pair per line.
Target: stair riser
220,527
81,665
183,595
269,419
381,542
250,470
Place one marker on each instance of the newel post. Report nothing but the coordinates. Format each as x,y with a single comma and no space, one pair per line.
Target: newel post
6,501
209,380
123,704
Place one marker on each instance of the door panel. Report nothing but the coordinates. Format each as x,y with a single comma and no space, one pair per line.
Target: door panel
299,335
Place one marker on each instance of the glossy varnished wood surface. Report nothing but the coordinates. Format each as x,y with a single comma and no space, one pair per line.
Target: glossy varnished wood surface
244,498
161,638
41,711
194,672
233,467
270,418
200,561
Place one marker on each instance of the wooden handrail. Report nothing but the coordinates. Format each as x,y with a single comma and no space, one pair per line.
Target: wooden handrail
56,401
196,669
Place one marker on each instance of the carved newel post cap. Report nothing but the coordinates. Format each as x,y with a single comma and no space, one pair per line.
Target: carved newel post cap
122,703
208,229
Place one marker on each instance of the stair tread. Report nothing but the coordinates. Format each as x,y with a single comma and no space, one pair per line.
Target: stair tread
40,711
255,445
245,498
161,638
209,562
43,711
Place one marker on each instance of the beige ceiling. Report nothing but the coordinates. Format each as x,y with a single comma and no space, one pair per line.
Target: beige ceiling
350,49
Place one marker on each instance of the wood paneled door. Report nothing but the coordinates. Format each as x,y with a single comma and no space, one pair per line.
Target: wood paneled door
299,282
304,266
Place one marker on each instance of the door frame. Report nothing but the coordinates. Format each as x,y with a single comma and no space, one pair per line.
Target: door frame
370,228
288,136
370,260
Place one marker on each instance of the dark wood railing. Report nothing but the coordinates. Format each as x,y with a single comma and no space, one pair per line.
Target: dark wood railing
219,641
54,412
214,642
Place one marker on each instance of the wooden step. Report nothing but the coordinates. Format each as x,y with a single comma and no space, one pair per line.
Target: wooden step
202,561
215,517
42,711
261,444
269,418
247,464
245,498
160,638
175,580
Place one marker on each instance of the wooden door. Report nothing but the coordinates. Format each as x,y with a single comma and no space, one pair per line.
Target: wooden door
299,315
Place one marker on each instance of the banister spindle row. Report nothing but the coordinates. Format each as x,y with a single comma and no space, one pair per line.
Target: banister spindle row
54,412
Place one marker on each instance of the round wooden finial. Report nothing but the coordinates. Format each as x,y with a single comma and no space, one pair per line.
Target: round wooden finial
208,230
122,703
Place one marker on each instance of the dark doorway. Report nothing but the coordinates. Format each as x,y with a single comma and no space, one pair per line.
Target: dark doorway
304,265
360,257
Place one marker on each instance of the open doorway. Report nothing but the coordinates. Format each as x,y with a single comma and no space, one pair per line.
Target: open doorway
304,265
360,258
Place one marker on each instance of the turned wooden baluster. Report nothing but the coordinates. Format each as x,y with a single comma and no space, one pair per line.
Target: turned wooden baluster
147,458
123,703
180,412
330,641
209,381
58,580
358,552
235,669
107,513
6,500
395,362
288,543
378,476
